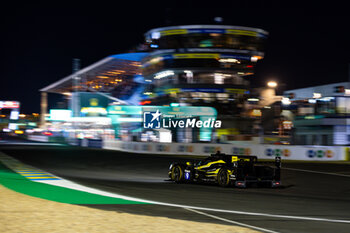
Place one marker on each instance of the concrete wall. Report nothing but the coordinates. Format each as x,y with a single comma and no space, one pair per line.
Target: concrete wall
264,151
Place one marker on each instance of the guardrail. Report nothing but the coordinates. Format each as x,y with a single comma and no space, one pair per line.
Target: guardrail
263,151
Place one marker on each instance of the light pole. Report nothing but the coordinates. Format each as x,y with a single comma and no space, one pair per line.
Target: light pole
75,92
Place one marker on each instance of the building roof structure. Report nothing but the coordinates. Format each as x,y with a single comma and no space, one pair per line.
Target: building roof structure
101,76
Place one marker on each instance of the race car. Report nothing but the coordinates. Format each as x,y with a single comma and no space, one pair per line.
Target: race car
226,170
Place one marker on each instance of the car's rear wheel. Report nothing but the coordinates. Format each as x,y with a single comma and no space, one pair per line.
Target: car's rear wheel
177,173
223,177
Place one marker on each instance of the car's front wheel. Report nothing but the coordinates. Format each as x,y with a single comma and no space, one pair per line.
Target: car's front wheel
223,177
177,173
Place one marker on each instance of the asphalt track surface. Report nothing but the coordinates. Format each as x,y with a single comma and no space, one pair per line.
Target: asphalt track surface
310,190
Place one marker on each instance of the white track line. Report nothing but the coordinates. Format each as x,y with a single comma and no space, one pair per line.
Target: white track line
317,172
75,186
231,221
252,213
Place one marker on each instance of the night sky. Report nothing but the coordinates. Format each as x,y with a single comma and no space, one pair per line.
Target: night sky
308,44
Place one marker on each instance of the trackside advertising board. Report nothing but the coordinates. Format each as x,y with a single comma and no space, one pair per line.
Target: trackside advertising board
312,153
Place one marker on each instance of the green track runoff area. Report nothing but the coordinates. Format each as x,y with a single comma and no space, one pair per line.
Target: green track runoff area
20,183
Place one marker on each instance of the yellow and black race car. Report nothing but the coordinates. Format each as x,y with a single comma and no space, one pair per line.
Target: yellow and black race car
225,170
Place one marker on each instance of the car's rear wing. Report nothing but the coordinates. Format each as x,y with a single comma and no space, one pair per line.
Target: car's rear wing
277,162
254,159
246,159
